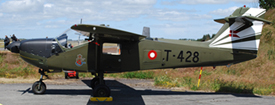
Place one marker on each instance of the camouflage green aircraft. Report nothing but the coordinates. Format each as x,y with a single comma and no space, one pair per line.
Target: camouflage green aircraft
237,41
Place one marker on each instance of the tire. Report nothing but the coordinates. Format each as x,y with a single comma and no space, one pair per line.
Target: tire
66,75
35,88
94,82
76,75
101,91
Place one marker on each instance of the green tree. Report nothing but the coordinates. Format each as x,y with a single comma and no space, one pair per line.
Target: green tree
206,37
267,4
213,35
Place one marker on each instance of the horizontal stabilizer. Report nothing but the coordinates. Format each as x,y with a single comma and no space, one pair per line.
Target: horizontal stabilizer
258,19
224,20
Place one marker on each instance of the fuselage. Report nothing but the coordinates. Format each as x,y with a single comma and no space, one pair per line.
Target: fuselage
142,55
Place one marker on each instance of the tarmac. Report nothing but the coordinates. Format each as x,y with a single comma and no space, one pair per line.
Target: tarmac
79,93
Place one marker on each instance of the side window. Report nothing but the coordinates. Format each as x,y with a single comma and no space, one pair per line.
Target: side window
111,48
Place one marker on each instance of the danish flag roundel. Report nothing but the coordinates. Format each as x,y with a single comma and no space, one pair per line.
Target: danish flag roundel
152,54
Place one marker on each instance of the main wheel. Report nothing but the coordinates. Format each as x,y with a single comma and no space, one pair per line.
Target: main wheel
94,82
101,91
36,89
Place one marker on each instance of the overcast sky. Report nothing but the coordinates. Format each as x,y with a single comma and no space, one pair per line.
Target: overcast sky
172,19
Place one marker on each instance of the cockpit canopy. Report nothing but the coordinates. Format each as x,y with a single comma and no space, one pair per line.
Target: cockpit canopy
71,38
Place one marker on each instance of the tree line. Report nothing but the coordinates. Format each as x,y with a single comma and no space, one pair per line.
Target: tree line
267,4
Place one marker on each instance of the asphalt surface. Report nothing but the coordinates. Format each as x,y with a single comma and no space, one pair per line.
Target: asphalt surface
79,94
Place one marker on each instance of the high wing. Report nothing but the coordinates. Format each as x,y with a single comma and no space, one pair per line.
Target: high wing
106,32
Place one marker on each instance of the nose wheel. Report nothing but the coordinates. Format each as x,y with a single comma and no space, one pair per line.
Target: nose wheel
39,87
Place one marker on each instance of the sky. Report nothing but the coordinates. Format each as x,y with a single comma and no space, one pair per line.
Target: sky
171,19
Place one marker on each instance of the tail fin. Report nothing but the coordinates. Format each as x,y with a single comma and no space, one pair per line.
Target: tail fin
241,30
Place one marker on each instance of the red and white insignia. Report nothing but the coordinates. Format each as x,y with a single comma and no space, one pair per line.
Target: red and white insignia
233,34
152,54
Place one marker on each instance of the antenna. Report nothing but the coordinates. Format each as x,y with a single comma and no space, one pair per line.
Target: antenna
81,21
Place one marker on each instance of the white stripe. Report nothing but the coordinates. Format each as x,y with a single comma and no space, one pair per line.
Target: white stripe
246,45
229,46
228,39
225,33
260,14
234,26
253,12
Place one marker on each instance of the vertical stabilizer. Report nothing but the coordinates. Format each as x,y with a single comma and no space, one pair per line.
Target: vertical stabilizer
241,30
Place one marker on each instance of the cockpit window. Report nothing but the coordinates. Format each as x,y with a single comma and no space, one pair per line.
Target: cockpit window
63,39
71,38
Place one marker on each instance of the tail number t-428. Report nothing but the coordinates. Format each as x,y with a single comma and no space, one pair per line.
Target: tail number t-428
189,57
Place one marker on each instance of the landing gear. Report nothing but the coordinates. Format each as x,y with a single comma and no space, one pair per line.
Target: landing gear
101,91
99,87
39,87
94,82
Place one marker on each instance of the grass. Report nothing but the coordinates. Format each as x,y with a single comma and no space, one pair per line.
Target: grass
12,67
166,81
1,43
138,74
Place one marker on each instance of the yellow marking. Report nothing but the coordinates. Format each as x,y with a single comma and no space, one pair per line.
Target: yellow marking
1,104
199,78
199,83
29,58
101,99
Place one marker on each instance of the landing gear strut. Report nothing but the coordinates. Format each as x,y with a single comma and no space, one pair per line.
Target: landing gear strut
39,87
99,87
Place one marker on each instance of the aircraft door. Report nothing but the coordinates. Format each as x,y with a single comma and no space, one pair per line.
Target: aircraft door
111,57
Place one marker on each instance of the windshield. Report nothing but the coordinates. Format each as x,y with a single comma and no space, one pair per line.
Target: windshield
71,38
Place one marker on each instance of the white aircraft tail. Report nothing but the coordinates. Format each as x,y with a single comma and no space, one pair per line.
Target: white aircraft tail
241,30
